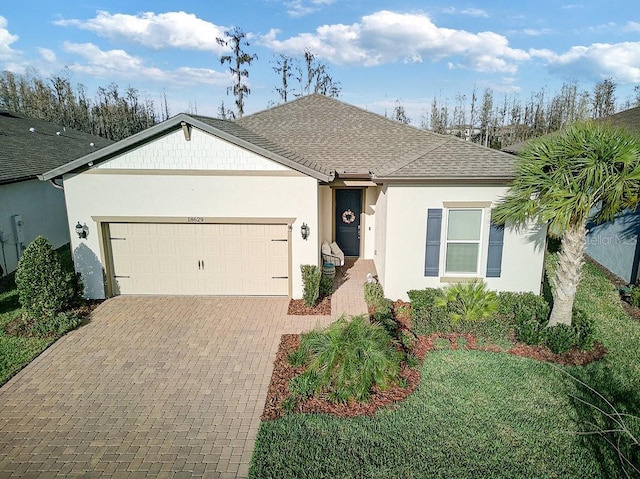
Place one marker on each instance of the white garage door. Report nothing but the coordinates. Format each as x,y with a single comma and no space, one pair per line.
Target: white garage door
216,259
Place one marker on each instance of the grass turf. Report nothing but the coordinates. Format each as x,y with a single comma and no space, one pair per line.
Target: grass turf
477,414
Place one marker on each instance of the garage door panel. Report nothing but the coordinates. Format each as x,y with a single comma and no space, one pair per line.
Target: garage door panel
200,258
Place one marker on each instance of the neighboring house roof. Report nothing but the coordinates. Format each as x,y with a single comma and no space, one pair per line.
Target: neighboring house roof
629,119
25,154
345,138
322,137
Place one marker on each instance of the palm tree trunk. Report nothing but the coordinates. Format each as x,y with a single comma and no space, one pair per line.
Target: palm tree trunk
568,272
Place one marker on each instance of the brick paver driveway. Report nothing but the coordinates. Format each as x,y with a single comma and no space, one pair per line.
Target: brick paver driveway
152,386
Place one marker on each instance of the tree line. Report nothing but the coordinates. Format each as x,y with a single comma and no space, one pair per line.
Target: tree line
112,114
481,117
501,121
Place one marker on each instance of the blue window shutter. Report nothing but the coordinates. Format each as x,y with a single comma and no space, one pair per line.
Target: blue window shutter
494,257
432,249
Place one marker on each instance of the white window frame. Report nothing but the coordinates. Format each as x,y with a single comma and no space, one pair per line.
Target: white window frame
481,242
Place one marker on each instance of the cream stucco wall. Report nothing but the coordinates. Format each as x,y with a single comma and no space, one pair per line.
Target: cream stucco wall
380,236
43,213
406,215
325,213
205,177
368,227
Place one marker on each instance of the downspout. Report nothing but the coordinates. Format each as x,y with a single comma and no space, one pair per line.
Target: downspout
56,185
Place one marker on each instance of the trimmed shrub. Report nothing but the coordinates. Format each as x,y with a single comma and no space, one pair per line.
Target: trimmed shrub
560,338
373,294
347,359
326,286
311,275
56,325
531,316
43,287
634,296
469,301
427,316
584,329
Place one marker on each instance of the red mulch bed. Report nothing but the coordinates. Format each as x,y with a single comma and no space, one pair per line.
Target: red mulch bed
298,308
283,372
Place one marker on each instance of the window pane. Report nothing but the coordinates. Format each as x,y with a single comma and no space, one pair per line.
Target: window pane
462,258
464,225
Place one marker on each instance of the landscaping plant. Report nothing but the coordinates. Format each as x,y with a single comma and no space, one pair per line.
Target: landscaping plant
469,301
44,288
346,360
311,276
588,171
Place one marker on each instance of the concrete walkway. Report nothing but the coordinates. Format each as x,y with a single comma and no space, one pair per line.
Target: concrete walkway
154,387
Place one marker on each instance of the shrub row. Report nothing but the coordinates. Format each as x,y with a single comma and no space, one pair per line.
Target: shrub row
436,310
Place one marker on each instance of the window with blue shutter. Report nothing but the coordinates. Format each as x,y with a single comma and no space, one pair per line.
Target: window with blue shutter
494,256
432,249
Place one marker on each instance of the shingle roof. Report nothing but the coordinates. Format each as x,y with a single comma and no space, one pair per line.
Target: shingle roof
25,154
341,137
629,119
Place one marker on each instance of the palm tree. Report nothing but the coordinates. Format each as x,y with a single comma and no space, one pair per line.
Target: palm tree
588,171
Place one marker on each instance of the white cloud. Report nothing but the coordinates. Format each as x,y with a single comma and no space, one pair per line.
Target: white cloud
473,12
535,32
47,55
632,27
157,31
599,60
100,63
6,39
300,8
386,37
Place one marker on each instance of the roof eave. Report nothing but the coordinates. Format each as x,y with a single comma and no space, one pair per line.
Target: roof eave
486,180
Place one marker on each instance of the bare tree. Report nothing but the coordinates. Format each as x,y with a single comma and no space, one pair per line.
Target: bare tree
239,59
284,68
399,114
604,98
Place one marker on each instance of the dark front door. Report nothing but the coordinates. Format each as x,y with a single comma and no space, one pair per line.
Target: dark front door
348,210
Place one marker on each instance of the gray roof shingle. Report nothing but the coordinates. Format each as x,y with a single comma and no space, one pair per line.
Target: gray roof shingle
25,154
341,137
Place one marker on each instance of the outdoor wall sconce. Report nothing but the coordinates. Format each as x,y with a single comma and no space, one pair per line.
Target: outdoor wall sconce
305,231
82,230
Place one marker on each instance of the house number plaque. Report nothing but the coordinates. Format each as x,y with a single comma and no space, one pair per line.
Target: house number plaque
195,219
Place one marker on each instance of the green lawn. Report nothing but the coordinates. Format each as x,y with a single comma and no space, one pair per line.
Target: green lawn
17,352
476,414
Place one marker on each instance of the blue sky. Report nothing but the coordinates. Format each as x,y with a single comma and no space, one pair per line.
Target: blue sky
380,51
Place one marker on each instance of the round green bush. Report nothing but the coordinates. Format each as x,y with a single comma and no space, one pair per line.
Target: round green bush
44,288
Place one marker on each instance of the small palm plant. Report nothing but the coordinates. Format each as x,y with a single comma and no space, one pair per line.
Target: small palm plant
346,360
469,301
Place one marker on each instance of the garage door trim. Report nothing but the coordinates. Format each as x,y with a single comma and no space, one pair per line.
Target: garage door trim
102,223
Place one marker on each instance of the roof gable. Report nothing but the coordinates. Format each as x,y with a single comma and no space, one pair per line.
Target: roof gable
203,151
31,147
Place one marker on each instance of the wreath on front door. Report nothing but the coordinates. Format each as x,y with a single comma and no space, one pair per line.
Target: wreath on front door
348,217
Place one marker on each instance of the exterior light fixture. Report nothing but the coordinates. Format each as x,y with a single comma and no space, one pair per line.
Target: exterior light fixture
82,230
305,231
